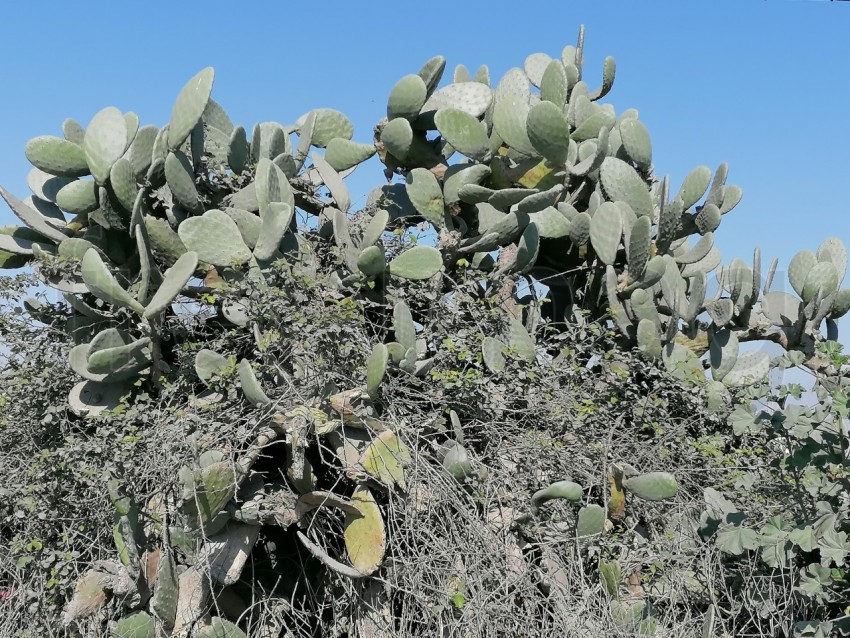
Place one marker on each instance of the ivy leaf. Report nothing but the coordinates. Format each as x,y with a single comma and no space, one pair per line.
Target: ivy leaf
773,541
813,580
804,538
745,420
735,540
833,547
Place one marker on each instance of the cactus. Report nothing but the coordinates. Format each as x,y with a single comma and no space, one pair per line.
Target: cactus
220,628
419,262
591,521
376,368
209,364
189,107
654,486
103,285
723,354
385,459
365,536
215,237
636,143
572,492
137,625
463,131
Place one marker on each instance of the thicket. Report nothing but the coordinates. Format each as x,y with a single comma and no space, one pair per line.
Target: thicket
502,399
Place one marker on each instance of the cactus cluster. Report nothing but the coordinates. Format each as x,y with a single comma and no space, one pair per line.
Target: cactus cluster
532,178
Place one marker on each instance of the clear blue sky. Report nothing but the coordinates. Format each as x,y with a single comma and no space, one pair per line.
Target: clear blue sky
762,84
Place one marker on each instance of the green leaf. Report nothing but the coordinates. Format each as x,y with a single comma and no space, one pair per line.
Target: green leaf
734,539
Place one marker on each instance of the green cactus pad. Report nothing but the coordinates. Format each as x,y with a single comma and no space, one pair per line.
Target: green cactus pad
513,83
425,193
580,229
841,304
593,126
718,185
180,177
554,84
164,240
799,267
698,251
461,74
609,70
365,536
238,150
470,97
821,280
137,625
781,308
172,284
103,285
274,226
91,398
640,245
105,142
397,137
268,140
551,223
213,486
403,326
343,154
385,459
723,353
493,353
209,363
568,490
123,182
622,183
419,262
56,156
220,628
694,187
750,368
521,342
653,486
535,66
461,175
330,124
708,219
463,131
272,185
648,339
109,360
833,250
731,197
510,115
216,239
721,311
335,183
407,97
73,131
371,261
591,521
32,218
190,106
432,71
44,185
527,250
251,387
482,75
704,265
549,132
606,230
375,228
19,240
165,593
637,143
376,368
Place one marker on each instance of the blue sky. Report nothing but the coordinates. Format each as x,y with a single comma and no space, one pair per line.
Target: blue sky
761,84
